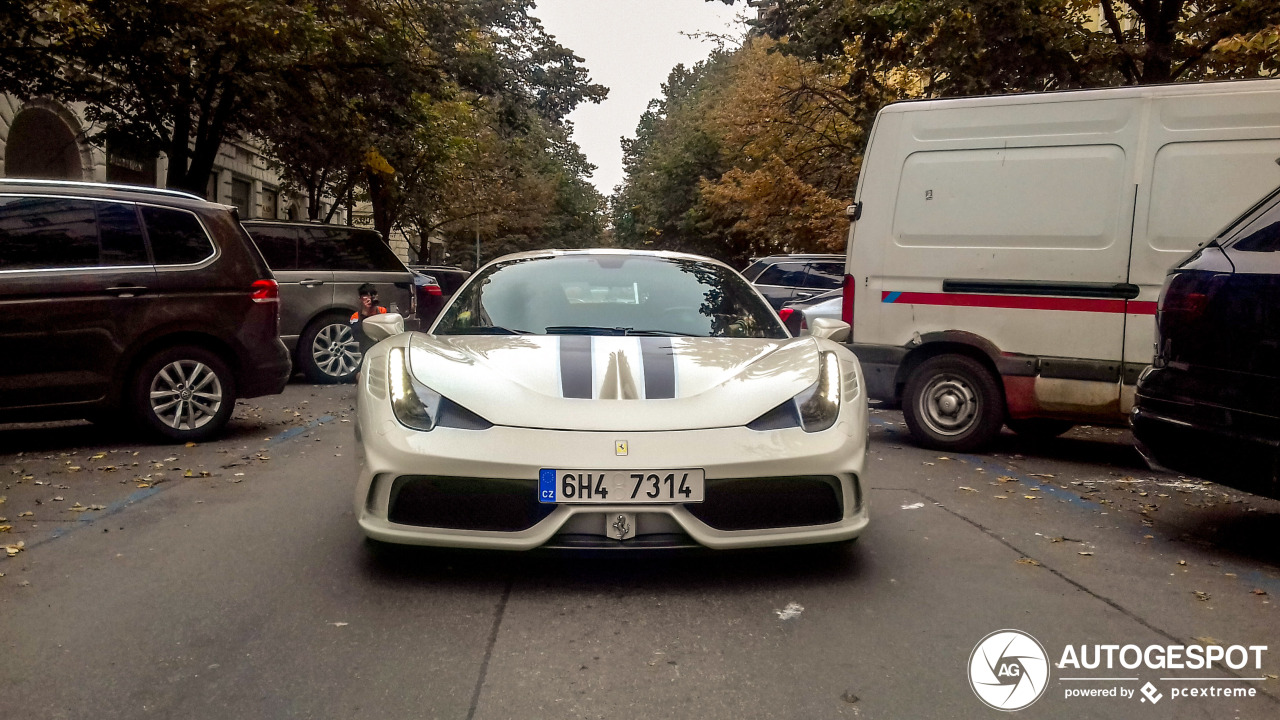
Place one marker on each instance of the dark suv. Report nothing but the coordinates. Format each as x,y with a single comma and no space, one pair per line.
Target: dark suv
320,267
1208,405
784,278
118,298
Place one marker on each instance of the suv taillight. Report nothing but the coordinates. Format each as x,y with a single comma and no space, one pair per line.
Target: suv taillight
846,302
264,291
434,290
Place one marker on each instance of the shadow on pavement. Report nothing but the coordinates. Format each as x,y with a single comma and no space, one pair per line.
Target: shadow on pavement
657,571
1255,536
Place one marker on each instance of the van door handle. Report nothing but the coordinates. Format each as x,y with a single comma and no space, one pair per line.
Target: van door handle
310,283
127,291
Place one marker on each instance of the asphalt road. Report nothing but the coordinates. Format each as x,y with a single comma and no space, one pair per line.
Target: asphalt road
228,580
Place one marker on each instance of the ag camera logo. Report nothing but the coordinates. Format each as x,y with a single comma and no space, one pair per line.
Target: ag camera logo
1008,670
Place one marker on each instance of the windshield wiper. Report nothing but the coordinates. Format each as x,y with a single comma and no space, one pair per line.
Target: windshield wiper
486,330
658,333
585,330
601,330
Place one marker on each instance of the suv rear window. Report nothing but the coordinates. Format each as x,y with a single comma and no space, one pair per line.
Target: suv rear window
177,237
337,248
49,232
279,245
783,274
825,275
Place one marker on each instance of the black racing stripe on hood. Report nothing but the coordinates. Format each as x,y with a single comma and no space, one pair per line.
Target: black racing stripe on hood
575,366
659,359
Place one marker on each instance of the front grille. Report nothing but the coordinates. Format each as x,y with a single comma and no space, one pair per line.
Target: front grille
771,502
464,503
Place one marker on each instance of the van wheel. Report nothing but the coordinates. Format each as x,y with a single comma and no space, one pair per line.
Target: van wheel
1038,428
952,402
328,351
184,394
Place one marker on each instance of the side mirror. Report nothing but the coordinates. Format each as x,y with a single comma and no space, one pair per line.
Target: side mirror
381,327
829,328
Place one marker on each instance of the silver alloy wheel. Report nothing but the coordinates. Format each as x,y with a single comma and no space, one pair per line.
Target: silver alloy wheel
186,394
336,351
948,405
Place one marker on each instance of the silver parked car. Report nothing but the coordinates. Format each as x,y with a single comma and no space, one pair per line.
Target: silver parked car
319,267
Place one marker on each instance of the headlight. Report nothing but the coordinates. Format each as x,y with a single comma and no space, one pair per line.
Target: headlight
819,406
415,405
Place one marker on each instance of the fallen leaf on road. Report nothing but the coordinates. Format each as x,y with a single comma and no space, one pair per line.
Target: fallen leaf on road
943,457
913,506
1005,478
5,528
58,498
1000,497
1182,562
1029,497
790,612
1206,640
1258,591
926,463
15,548
99,456
338,624
144,485
74,468
1041,475
1086,554
26,514
965,487
1200,595
1028,561
205,473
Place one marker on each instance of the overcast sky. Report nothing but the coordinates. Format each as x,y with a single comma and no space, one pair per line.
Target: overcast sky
630,47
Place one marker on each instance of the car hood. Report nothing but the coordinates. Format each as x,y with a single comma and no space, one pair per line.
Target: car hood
610,383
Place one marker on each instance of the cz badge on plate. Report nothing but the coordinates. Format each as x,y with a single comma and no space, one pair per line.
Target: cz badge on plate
621,487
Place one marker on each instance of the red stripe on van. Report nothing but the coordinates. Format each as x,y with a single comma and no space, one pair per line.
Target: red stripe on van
1020,302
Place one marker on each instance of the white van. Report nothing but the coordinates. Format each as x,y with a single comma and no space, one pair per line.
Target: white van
1006,253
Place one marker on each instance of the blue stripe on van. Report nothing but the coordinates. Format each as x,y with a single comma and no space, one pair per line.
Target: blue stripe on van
890,297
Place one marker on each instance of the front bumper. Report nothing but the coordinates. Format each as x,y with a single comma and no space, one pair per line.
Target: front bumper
505,455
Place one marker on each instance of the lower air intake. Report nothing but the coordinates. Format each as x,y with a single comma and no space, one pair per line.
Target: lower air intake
464,503
773,502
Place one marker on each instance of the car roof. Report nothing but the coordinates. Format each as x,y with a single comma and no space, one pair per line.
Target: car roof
800,256
305,223
666,254
112,191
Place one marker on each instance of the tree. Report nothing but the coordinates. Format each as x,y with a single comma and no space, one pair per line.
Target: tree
173,76
983,46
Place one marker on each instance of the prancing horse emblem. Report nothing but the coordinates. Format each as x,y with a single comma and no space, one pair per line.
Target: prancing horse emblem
621,527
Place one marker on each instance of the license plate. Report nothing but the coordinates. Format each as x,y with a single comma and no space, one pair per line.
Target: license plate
620,487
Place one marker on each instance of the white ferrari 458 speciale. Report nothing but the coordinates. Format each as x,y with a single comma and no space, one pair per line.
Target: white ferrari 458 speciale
602,399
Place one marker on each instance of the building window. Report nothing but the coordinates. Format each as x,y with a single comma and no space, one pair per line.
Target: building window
270,204
240,192
211,190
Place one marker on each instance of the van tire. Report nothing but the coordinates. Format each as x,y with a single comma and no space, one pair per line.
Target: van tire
952,402
328,350
189,382
1038,428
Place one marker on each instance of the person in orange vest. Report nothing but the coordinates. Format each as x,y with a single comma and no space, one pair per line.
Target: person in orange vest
368,306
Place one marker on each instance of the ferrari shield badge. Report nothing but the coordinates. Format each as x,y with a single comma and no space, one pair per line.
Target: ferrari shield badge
620,447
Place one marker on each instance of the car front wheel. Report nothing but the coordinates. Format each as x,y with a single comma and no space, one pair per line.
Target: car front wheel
328,351
184,394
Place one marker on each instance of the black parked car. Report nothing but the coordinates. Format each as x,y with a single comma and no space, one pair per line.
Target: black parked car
320,268
120,299
1210,403
784,278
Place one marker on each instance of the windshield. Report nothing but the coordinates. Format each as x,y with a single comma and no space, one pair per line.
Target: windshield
610,294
